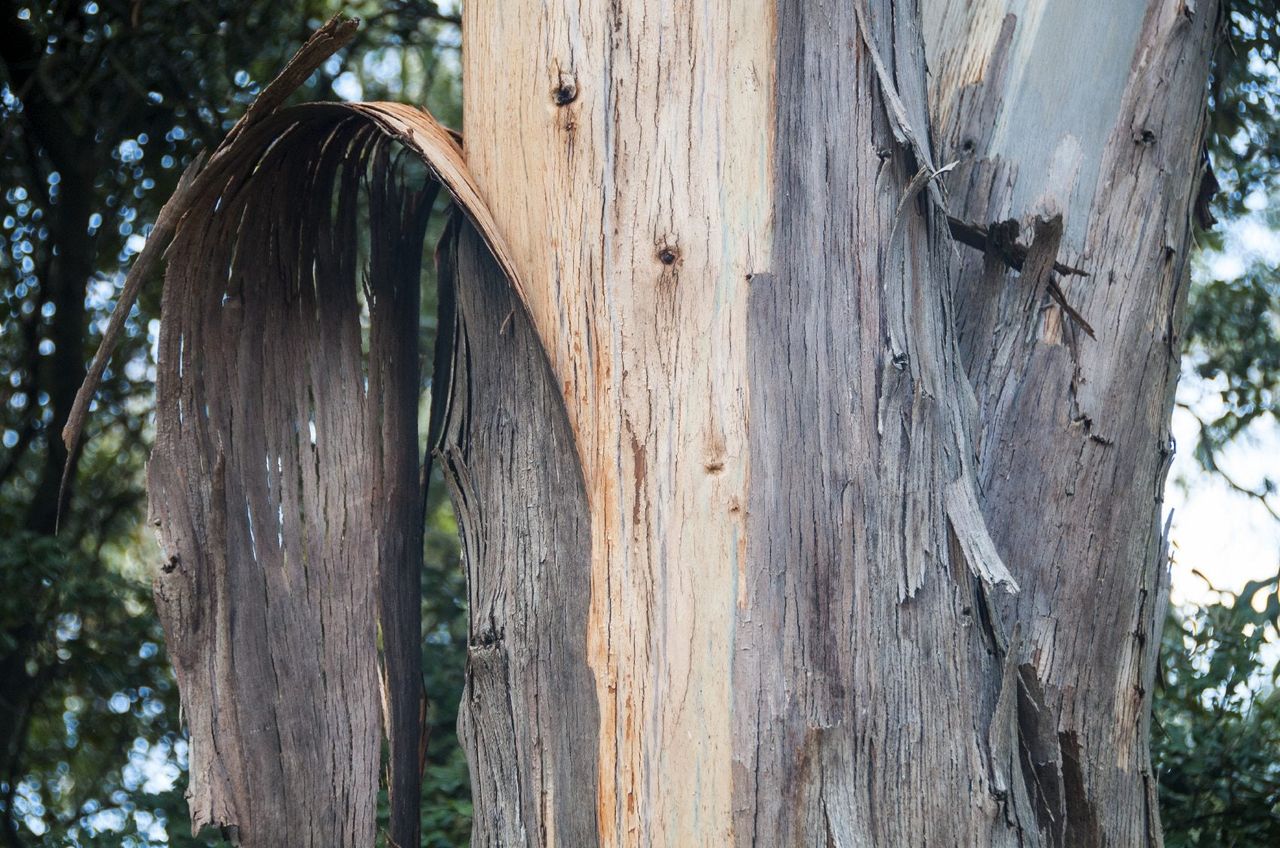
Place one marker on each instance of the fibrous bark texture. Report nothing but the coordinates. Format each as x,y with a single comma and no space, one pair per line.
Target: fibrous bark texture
285,481
528,717
280,483
863,626
803,414
1084,122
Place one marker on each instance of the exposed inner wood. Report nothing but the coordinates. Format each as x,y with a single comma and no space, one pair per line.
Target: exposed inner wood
724,484
1061,70
636,204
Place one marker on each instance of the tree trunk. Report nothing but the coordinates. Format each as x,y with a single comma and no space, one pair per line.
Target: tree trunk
738,269
787,519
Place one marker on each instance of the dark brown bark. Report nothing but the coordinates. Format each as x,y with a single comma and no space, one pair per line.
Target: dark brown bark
272,483
285,481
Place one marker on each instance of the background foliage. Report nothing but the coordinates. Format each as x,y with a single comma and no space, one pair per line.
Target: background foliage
104,102
1217,723
1234,321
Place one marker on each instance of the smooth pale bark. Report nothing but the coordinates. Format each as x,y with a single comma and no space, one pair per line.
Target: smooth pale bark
624,150
738,271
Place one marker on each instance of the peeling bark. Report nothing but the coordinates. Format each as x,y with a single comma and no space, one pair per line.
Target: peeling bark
868,561
284,487
284,482
528,718
787,520
1077,428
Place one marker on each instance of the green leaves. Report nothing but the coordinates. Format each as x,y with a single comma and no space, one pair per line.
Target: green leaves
1233,321
88,692
1216,729
1243,102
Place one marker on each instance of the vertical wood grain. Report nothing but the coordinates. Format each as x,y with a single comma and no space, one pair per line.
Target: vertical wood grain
636,203
528,717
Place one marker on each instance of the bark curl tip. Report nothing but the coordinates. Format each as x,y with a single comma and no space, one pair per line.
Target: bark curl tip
975,539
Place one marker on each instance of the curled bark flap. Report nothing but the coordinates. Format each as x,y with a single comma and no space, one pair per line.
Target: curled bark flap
284,481
415,128
323,43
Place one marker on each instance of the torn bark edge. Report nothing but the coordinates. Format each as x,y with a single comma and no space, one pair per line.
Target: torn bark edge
975,540
899,122
336,33
925,176
1002,737
1015,256
308,131
439,148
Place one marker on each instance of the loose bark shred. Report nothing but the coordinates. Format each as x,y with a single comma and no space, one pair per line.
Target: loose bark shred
323,43
529,717
284,480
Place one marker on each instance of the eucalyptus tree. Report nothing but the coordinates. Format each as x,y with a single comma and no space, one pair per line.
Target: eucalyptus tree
806,412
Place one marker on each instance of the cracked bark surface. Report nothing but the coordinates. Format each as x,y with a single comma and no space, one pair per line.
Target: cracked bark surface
528,718
284,483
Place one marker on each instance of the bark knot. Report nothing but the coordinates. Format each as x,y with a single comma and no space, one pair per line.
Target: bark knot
565,91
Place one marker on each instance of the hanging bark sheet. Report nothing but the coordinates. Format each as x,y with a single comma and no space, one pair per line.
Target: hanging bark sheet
285,480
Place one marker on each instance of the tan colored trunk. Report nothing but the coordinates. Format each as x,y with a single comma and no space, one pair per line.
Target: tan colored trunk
637,203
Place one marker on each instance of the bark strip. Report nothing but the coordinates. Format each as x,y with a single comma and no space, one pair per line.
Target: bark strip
275,560
528,718
284,481
322,44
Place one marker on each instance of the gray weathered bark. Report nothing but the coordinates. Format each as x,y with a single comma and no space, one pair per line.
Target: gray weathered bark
528,716
285,483
1085,122
883,691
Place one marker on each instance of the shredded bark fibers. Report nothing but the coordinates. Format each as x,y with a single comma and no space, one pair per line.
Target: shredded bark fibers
284,486
285,481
